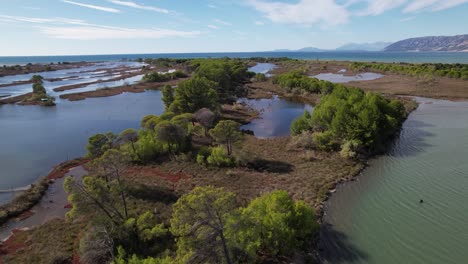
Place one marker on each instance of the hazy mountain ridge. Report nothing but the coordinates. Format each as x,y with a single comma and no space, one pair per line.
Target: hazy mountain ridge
374,46
457,43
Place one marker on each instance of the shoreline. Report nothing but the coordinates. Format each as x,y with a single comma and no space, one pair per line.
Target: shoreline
32,196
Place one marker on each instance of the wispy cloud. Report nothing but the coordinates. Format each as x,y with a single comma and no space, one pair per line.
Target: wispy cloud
77,29
213,27
138,6
407,19
97,32
212,6
377,7
305,12
433,5
259,23
35,20
101,8
222,22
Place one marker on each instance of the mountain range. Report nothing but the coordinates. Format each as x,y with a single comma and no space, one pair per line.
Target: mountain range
457,43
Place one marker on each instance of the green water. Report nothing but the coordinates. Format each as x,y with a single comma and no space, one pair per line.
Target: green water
379,219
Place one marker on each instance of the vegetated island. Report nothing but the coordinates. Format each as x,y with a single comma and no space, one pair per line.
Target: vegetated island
190,186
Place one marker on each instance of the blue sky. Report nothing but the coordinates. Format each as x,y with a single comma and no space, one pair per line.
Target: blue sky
66,27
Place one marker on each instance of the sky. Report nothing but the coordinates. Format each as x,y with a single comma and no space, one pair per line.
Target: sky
80,27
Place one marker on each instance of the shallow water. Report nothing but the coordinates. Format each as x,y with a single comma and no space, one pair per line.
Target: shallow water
340,78
263,68
73,76
276,116
51,206
378,218
35,138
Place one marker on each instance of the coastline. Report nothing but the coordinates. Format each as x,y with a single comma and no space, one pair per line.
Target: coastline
25,201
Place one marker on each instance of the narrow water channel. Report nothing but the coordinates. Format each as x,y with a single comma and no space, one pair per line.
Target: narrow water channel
379,218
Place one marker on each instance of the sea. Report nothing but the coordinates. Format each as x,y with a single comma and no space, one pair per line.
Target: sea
392,57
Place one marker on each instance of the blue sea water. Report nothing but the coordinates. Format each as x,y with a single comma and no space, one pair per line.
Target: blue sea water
410,57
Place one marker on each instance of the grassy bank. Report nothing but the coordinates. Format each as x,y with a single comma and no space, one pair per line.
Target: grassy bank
33,195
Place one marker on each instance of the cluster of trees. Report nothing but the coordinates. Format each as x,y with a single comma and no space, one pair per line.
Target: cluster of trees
207,225
299,82
456,70
352,120
169,134
163,77
163,62
226,134
39,92
228,74
115,216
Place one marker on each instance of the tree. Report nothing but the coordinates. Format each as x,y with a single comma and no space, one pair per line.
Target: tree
206,118
199,221
194,94
111,166
273,224
128,135
172,134
37,79
38,89
99,143
167,95
226,132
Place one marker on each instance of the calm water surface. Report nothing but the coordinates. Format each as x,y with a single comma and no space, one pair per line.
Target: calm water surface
340,78
379,219
415,57
276,116
34,138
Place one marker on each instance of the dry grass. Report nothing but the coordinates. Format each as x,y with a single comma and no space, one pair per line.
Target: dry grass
53,242
306,175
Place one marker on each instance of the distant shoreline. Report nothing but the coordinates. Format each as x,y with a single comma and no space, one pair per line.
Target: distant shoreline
368,56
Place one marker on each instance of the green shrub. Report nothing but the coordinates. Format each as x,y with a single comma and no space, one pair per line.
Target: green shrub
350,148
219,158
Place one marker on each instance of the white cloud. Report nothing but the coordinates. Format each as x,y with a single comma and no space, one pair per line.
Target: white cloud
212,6
97,32
213,27
101,8
222,22
377,7
138,6
434,5
259,23
407,19
66,28
304,12
35,20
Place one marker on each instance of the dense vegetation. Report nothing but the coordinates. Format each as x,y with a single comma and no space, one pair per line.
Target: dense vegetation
163,76
298,82
39,94
351,120
426,69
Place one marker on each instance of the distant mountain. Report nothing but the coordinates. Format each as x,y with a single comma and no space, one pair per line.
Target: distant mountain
375,46
308,49
436,43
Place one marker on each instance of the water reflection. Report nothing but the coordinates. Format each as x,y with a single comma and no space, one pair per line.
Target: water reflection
276,116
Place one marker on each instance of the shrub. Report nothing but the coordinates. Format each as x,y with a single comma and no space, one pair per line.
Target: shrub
350,148
303,140
324,141
219,158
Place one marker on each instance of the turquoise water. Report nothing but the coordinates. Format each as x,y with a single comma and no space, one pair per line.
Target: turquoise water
416,57
379,219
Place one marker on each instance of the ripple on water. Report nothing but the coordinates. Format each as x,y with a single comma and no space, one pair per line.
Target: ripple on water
380,215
